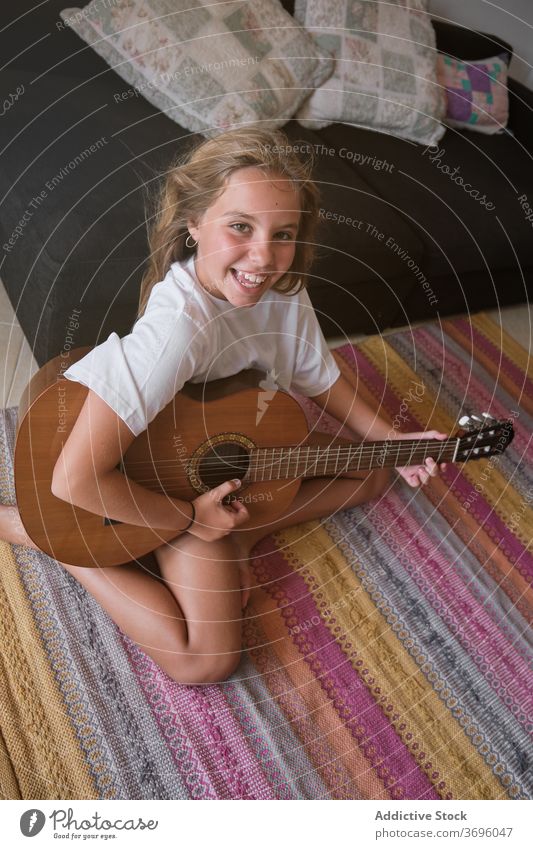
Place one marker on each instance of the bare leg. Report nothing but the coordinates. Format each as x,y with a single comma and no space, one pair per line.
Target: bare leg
189,623
317,498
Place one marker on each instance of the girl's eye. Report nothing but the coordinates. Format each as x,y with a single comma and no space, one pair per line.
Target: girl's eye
286,236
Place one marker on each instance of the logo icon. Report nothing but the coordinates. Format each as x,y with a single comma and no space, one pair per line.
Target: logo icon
269,387
31,822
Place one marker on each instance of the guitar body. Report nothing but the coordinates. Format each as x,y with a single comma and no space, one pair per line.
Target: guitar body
202,438
240,426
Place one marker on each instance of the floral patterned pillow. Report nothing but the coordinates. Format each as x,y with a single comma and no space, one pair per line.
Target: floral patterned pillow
210,66
476,93
385,78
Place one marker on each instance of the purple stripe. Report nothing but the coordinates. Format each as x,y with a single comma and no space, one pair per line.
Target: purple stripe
462,613
518,554
485,516
355,706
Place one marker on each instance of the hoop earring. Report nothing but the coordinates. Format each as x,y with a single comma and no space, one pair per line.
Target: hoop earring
187,241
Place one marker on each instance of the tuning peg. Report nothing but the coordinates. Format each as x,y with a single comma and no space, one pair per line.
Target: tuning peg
476,418
488,418
468,422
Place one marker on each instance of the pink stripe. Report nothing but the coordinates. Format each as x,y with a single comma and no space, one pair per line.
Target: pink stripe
193,770
320,756
497,356
518,555
459,376
207,717
196,721
464,616
374,381
349,695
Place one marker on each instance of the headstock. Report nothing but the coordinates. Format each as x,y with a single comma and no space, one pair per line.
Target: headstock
485,436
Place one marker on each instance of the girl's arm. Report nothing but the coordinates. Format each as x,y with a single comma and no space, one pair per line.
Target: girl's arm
341,402
85,475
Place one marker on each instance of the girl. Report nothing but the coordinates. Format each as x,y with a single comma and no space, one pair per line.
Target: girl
231,247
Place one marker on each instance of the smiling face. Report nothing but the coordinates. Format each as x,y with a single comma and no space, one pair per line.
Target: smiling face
246,239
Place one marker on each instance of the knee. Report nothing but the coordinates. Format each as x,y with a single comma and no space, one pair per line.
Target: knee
379,482
372,485
207,670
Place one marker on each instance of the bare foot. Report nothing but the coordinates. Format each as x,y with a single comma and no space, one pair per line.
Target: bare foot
11,527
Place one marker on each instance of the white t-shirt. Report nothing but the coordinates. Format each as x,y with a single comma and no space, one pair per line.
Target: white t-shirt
187,334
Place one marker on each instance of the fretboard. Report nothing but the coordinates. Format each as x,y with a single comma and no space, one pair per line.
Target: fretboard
311,461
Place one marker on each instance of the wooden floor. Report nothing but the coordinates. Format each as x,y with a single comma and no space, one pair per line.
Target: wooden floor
18,363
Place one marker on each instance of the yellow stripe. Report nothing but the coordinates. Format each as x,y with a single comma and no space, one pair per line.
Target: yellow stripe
502,340
391,668
45,756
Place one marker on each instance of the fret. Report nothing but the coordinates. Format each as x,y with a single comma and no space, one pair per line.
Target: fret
372,455
279,464
398,449
326,457
317,452
289,452
360,455
337,460
307,460
297,470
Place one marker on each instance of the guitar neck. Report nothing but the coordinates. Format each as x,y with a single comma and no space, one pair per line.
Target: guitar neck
314,461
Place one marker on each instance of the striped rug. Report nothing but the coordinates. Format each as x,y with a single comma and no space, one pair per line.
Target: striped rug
388,649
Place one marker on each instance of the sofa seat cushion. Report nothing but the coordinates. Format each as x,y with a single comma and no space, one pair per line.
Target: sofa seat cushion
463,228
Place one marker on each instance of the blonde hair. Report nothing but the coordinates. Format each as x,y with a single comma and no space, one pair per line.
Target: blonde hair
197,178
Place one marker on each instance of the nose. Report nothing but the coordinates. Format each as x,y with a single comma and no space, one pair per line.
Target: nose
261,253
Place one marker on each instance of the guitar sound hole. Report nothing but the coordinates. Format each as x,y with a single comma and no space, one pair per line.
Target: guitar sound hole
225,461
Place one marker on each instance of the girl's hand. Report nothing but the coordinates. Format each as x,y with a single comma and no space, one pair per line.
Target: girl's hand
420,474
214,519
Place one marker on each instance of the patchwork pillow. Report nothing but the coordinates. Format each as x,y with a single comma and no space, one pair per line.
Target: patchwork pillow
476,93
385,78
209,65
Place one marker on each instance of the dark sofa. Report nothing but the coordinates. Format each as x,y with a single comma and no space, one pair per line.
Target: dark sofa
79,160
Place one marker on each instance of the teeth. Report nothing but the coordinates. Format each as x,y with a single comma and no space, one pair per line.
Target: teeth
254,279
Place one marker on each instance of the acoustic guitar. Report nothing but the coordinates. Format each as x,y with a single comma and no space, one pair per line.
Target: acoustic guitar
239,427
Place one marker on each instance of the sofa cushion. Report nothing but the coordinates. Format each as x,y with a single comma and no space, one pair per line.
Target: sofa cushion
209,66
385,77
476,93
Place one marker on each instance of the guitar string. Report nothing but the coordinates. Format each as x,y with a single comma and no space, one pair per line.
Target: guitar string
334,454
255,469
365,448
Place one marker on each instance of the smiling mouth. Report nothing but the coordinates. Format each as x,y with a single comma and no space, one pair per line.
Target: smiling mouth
249,281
